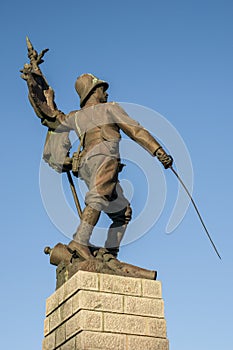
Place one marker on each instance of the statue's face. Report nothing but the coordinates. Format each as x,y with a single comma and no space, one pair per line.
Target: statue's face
101,94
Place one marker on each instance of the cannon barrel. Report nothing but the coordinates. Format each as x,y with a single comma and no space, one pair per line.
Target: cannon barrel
104,262
58,254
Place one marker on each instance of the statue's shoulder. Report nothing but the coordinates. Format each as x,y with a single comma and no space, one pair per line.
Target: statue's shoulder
112,105
115,108
74,113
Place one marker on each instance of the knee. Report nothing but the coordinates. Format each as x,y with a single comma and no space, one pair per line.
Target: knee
121,217
128,214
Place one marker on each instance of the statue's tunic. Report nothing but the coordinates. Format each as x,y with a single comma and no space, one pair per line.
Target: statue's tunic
98,127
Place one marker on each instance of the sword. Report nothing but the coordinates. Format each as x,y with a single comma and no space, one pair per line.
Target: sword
75,196
197,211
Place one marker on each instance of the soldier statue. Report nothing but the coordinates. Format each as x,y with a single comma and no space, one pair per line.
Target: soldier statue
97,124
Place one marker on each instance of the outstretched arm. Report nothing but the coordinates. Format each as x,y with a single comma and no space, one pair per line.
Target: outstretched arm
139,134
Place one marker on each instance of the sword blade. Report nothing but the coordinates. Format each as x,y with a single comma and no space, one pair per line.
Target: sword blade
75,196
197,211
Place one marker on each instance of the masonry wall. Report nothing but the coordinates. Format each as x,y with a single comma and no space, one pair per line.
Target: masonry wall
98,311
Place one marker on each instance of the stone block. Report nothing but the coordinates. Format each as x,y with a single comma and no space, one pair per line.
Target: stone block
84,320
49,342
118,323
58,316
54,320
60,335
70,345
107,341
46,326
60,292
73,326
124,324
97,301
120,285
151,289
81,280
51,304
66,310
143,306
146,343
56,299
156,327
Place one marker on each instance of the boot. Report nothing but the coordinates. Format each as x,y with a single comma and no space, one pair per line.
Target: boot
79,244
114,238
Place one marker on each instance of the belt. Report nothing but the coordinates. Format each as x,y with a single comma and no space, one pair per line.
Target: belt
92,142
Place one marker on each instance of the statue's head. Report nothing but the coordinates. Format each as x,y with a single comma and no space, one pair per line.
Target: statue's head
86,84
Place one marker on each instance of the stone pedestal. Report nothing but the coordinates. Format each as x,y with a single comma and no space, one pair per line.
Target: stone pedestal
99,311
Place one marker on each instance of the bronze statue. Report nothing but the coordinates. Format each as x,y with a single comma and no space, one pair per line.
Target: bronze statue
97,162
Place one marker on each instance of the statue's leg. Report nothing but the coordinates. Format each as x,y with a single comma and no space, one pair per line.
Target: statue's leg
81,238
94,173
107,193
101,176
117,229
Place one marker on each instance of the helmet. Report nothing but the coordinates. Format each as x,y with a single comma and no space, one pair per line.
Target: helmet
85,84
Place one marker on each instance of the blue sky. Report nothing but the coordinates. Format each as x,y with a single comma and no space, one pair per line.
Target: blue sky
173,57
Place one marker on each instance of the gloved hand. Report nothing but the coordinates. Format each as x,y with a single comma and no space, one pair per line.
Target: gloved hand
164,158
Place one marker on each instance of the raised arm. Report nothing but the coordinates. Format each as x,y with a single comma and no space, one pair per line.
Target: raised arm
40,94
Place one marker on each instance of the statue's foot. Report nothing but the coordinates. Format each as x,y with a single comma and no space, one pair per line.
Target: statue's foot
113,251
81,250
